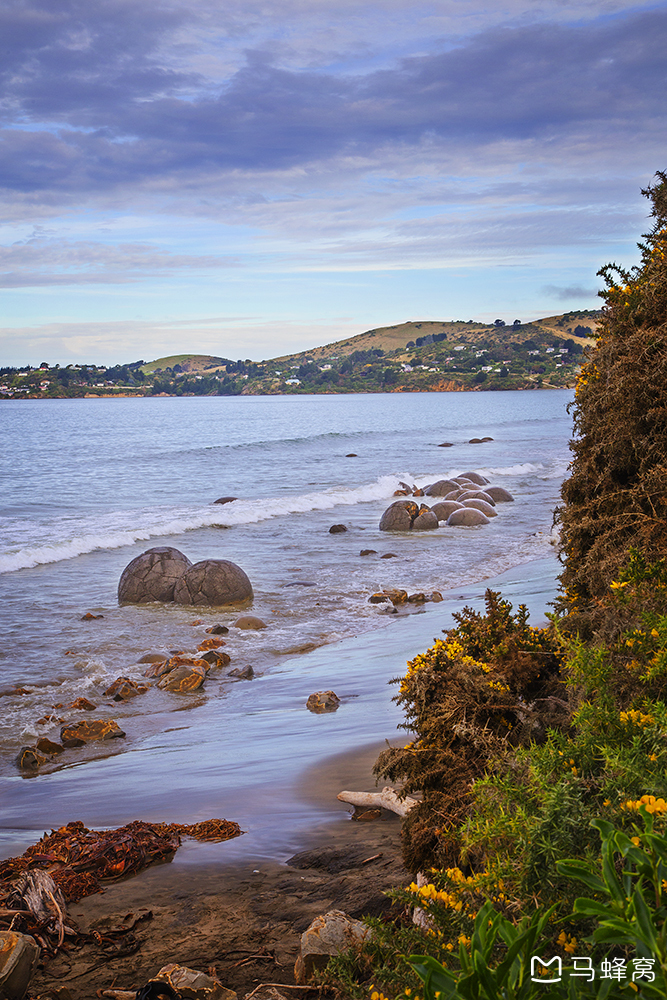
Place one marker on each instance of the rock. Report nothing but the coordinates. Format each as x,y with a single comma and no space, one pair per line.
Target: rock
352,454
123,689
211,644
216,658
417,492
181,660
426,521
463,481
152,576
249,622
499,494
378,599
29,759
487,439
446,444
225,500
151,658
213,582
18,958
217,630
76,734
82,705
475,441
389,555
368,552
322,701
243,673
90,617
368,816
395,595
183,679
482,505
329,934
476,477
193,985
477,495
443,509
467,517
435,596
47,746
337,529
456,494
395,518
441,488
402,493
417,598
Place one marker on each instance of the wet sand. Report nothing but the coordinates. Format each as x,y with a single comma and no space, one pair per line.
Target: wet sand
241,919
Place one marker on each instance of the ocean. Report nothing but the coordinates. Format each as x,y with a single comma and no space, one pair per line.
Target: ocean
87,485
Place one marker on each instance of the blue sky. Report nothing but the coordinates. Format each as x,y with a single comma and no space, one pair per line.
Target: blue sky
254,177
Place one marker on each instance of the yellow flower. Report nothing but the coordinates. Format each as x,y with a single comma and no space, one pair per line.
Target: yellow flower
616,585
607,802
635,841
653,757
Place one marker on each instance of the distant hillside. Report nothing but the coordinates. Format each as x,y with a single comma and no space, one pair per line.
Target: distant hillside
418,356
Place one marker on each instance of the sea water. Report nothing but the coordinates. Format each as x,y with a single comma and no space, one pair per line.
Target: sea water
88,485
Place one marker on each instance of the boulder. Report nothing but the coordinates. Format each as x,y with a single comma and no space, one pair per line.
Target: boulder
477,495
426,521
446,444
378,599
249,622
443,509
395,595
213,582
467,517
191,984
499,494
182,660
419,598
351,454
152,576
216,658
82,705
211,644
463,481
151,658
456,494
482,505
476,477
225,500
396,518
389,555
337,529
441,488
368,552
183,679
217,630
18,959
329,934
123,688
47,746
322,701
76,734
243,673
29,759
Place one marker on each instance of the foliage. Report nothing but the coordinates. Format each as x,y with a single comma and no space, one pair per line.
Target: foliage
615,496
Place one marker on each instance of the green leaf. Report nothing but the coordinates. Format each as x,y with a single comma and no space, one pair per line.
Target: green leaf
581,871
644,920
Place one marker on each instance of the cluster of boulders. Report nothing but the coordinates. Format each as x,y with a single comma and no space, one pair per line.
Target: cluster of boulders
467,500
164,574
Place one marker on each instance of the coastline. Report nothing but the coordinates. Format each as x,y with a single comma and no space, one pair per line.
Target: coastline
218,905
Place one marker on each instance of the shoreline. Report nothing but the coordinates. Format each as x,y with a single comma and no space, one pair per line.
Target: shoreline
217,906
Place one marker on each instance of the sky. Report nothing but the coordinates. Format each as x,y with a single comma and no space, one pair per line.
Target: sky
248,178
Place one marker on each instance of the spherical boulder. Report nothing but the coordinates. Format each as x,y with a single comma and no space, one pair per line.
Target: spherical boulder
482,505
213,582
477,495
467,518
443,509
441,488
399,516
476,477
463,481
426,521
152,576
337,529
249,622
499,494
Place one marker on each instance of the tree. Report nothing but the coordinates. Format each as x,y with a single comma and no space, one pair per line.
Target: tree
615,497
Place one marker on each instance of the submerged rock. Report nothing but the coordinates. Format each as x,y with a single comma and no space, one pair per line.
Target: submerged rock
185,678
443,509
225,500
499,494
322,701
468,517
152,576
124,688
337,529
441,488
426,521
249,622
482,505
213,582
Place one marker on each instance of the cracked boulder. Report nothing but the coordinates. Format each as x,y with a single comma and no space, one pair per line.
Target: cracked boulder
152,576
213,583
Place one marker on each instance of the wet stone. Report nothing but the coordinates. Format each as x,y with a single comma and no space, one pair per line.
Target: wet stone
243,673
211,644
217,630
29,759
124,688
77,734
184,679
216,658
322,701
82,705
47,746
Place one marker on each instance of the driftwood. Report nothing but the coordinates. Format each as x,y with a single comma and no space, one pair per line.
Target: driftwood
386,799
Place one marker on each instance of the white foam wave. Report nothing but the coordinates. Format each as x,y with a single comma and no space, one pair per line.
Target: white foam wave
176,521
514,470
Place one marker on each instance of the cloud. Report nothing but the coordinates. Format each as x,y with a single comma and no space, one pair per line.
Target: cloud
65,262
569,292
